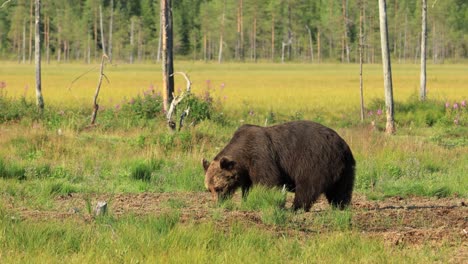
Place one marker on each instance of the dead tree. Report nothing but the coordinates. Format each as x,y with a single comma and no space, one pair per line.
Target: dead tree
175,102
37,56
167,53
98,88
387,68
103,43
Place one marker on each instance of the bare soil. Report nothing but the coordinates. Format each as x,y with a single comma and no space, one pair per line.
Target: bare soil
410,221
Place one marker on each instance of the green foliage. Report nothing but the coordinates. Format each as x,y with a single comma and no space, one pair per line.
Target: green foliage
148,106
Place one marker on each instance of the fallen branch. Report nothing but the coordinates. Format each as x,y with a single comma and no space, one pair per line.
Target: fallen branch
176,101
98,88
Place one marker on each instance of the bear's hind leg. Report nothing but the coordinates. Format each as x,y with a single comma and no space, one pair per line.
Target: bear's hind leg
304,199
339,194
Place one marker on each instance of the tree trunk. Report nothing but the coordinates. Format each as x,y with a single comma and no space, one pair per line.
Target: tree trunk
361,47
37,57
88,49
167,55
422,90
31,30
311,47
345,33
24,41
319,53
103,42
111,21
387,68
272,37
132,44
59,44
158,58
95,33
254,37
239,29
47,30
221,34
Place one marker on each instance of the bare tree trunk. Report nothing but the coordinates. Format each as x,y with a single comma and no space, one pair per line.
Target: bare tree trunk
239,29
132,44
310,44
95,34
319,49
31,30
110,29
158,58
221,34
167,55
98,88
205,47
24,42
88,49
345,32
387,68
406,39
272,37
103,42
59,44
361,47
47,30
422,90
254,37
37,57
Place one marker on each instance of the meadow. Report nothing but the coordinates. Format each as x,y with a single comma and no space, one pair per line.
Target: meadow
54,166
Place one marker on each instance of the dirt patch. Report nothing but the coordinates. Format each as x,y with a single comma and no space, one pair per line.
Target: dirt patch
411,221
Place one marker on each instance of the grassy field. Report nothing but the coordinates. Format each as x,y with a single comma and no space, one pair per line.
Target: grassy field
54,167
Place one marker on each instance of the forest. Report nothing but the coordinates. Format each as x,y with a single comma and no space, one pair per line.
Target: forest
240,30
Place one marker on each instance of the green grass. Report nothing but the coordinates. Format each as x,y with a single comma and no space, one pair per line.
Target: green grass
164,239
56,153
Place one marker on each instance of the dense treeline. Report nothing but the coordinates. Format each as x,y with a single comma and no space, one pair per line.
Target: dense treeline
243,30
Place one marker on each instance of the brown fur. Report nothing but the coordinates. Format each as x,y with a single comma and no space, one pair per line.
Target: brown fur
306,157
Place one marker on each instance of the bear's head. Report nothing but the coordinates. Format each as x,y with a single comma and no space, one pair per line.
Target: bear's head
222,177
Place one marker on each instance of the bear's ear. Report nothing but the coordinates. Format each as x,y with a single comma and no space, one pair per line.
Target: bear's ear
205,164
226,163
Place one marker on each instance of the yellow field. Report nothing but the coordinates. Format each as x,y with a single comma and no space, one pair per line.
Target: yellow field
331,87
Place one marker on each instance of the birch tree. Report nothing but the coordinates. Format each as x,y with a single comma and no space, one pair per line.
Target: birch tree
37,57
422,90
387,67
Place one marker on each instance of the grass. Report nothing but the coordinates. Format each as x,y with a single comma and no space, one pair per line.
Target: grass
165,239
131,151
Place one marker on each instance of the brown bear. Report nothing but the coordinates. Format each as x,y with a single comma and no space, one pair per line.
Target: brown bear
305,157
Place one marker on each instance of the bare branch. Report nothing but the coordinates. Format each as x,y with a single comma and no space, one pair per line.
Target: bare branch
189,83
5,3
176,101
79,77
183,116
